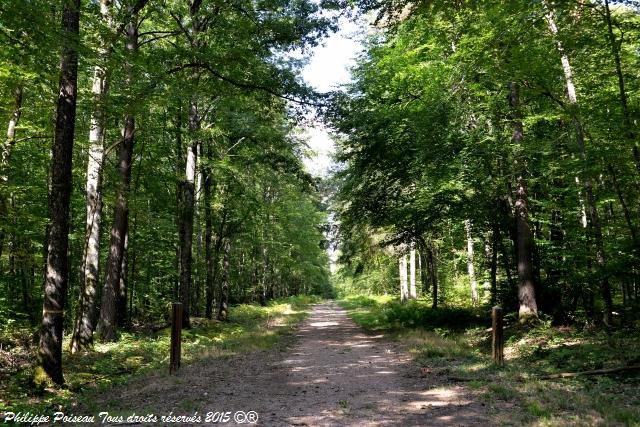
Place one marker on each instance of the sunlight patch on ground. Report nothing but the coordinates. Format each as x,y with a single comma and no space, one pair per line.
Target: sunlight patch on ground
323,324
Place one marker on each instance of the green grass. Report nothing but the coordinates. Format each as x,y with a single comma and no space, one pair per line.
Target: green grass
456,343
250,327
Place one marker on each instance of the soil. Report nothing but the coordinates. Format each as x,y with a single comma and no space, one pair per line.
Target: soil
329,373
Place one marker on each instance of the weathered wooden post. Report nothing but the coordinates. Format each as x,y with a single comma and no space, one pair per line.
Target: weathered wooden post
176,337
498,335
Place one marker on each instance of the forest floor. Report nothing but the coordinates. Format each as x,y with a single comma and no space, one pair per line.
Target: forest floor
369,361
331,372
453,345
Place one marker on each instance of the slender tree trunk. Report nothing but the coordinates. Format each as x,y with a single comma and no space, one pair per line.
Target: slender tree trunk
90,272
199,236
433,268
626,116
57,269
208,235
5,152
625,208
495,235
593,215
111,290
265,269
412,277
132,281
24,288
470,267
526,287
188,185
186,222
404,291
123,284
424,269
223,310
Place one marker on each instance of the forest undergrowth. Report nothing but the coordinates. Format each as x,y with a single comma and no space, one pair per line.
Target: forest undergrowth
455,343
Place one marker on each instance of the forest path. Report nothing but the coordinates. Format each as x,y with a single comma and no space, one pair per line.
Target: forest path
332,374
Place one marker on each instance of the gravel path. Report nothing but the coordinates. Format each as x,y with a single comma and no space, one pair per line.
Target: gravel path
331,374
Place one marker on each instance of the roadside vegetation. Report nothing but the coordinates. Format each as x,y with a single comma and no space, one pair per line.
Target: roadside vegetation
250,327
454,344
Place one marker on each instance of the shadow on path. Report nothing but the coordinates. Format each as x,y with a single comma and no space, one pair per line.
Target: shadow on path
333,374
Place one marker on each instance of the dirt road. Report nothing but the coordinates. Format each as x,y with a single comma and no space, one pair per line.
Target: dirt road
332,373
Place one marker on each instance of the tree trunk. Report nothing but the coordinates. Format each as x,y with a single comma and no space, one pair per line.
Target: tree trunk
5,153
265,269
495,235
412,278
208,235
470,268
433,268
626,116
57,268
424,269
223,311
593,215
186,220
123,284
199,236
526,287
111,289
404,291
625,208
90,271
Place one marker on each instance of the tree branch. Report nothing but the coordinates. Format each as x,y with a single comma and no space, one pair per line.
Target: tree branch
241,85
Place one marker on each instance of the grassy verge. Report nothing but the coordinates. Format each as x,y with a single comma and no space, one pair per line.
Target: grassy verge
250,327
453,346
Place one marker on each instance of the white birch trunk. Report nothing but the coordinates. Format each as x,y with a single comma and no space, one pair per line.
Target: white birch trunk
412,266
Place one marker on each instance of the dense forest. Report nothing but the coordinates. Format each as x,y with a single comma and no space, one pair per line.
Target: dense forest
487,153
491,149
152,155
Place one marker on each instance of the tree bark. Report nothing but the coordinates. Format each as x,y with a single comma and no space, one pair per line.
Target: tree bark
495,235
185,231
404,290
593,215
412,277
433,268
5,153
208,235
186,220
111,289
198,276
526,286
57,268
123,284
86,318
223,311
424,269
470,267
625,208
615,51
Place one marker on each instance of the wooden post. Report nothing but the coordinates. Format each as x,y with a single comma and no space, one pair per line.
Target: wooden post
498,335
176,337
